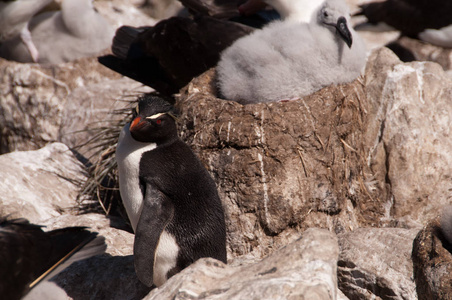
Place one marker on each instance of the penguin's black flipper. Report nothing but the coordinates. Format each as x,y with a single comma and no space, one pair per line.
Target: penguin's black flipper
156,214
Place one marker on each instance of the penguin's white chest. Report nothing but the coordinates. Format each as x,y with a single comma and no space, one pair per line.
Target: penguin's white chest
128,156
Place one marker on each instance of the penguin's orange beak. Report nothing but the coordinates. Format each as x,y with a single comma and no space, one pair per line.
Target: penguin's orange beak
136,124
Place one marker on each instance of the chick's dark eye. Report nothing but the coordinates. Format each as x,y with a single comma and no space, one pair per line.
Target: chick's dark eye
325,14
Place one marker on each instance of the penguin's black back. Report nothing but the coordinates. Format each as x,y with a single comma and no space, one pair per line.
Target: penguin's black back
198,223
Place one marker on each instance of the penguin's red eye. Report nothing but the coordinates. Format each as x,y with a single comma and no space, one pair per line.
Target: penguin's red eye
158,122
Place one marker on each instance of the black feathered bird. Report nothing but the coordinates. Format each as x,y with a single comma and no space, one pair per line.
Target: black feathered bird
170,198
410,17
174,51
29,255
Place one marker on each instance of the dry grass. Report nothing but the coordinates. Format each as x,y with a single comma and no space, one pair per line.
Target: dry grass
100,191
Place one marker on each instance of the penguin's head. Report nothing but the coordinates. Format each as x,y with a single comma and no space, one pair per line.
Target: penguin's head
153,120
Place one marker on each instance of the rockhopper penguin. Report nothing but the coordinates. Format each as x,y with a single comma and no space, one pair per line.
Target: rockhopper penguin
170,198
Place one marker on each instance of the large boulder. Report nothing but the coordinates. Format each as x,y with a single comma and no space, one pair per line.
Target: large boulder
304,269
282,167
42,104
407,136
40,184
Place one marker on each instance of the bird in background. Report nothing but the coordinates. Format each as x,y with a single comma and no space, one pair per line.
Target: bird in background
29,256
170,54
288,60
171,200
295,10
73,32
14,18
413,18
242,11
439,37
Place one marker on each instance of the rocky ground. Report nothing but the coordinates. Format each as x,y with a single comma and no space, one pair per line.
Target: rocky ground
333,196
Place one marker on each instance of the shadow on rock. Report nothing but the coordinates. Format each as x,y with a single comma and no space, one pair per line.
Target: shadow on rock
102,277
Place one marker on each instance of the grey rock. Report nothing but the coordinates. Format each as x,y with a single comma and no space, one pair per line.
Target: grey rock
375,263
407,136
102,277
119,242
304,269
32,98
45,104
423,51
108,276
40,184
46,291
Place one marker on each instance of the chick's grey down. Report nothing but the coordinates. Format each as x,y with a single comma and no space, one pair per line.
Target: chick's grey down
288,60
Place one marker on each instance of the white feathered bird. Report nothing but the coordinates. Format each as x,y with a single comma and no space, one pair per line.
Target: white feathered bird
288,60
14,18
60,36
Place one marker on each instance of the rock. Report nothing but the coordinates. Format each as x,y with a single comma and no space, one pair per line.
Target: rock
368,153
432,263
423,51
304,269
119,242
281,167
109,276
46,290
32,99
40,104
408,136
102,277
375,263
40,184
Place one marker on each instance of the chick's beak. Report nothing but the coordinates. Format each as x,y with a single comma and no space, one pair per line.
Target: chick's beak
343,31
